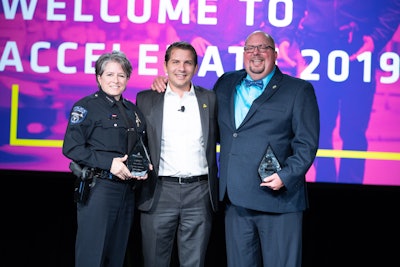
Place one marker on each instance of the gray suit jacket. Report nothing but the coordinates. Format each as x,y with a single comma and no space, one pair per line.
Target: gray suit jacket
151,104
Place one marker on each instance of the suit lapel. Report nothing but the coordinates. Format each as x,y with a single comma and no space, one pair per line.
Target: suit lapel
203,103
156,119
269,91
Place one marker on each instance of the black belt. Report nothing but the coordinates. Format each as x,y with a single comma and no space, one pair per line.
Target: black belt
184,180
107,175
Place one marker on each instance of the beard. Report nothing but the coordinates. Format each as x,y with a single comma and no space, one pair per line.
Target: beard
257,70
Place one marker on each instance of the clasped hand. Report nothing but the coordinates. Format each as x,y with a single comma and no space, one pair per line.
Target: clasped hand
119,169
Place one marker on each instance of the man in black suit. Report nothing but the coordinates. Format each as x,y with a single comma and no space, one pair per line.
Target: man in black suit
181,193
263,215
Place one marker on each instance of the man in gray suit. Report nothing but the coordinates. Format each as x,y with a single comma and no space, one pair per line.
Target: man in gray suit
181,194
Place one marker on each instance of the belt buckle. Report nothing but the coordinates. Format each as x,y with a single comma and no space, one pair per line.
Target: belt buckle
180,180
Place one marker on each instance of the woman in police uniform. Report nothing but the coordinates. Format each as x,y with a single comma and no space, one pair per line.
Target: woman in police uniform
97,140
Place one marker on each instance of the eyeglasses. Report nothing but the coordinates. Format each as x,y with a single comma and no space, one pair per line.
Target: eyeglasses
261,48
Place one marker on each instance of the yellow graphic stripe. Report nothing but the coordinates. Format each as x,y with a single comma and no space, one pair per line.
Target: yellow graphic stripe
14,141
353,154
326,153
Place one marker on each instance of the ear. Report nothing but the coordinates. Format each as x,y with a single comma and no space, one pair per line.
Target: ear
165,68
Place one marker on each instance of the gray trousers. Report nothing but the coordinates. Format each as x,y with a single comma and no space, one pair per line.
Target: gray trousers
182,211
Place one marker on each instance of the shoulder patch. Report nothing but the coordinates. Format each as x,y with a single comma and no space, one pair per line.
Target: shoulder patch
78,114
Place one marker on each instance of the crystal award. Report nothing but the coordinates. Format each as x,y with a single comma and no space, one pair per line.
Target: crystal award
269,164
139,160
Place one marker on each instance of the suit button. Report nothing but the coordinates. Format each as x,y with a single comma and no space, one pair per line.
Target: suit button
235,134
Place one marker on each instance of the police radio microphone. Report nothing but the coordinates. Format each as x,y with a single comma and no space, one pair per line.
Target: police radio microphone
182,109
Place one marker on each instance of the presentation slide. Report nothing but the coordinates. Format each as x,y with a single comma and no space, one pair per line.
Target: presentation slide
348,50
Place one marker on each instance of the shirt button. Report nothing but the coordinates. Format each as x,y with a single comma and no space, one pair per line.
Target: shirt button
235,134
115,125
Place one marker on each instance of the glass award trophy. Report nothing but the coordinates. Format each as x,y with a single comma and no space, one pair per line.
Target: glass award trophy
138,160
269,164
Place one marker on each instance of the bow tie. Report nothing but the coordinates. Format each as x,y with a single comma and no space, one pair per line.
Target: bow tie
258,83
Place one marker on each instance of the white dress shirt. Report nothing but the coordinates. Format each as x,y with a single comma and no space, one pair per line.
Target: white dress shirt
182,143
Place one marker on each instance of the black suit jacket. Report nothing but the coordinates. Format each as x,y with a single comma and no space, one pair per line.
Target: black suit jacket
151,103
286,116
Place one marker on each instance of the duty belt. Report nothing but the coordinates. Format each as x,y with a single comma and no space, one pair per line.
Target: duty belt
107,175
184,180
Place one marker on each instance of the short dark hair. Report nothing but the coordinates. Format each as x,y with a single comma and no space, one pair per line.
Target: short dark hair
181,45
115,56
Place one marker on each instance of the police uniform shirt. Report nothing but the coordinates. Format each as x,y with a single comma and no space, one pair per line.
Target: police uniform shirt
97,132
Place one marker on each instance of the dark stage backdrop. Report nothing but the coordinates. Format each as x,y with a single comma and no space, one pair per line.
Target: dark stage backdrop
48,50
347,225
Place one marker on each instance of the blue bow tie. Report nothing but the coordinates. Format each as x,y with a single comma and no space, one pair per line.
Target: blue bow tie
258,83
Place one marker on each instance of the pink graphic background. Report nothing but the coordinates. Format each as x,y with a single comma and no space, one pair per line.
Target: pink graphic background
46,98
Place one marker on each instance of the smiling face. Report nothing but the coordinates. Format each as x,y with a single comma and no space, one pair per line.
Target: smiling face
259,64
180,69
113,81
